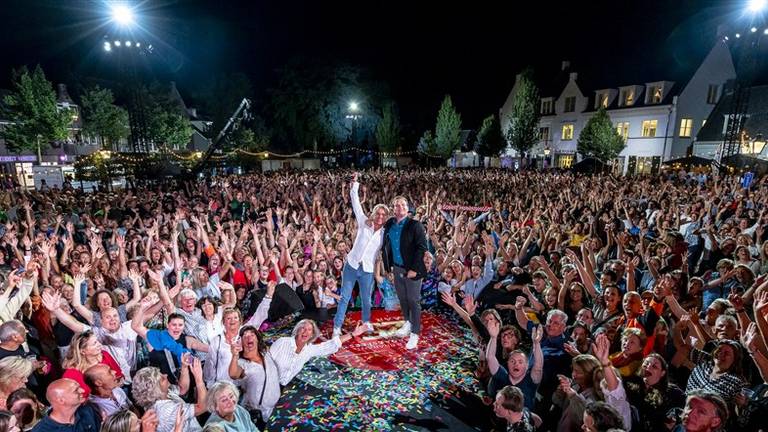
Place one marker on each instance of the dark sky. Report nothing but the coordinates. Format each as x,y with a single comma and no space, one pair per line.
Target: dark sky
424,50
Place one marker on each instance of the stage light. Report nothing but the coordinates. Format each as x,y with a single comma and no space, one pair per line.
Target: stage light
353,106
117,43
128,43
756,6
738,35
107,46
753,29
122,14
138,44
765,32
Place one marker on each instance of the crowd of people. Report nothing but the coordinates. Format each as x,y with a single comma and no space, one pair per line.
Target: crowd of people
596,303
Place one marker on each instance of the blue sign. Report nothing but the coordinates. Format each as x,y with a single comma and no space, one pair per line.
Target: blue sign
746,181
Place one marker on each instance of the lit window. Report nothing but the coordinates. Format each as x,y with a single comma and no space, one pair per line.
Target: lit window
565,161
567,132
544,133
622,128
602,100
686,126
628,97
649,128
654,95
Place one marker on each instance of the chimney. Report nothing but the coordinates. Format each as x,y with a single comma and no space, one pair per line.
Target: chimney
565,65
573,76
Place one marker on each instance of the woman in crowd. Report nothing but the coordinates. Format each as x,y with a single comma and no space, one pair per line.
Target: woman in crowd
152,390
14,372
252,363
222,403
86,351
651,393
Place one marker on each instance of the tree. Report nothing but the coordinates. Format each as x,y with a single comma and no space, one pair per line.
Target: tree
447,129
310,104
103,118
388,129
490,142
599,139
34,118
523,131
169,128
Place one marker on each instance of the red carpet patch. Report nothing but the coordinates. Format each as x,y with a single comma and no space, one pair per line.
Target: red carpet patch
375,351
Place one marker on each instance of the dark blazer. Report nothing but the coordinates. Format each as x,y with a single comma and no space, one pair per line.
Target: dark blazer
413,244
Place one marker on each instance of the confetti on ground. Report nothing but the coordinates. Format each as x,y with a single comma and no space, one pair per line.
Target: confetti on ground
327,396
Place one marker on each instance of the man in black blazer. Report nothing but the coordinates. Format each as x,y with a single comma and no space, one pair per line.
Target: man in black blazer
405,243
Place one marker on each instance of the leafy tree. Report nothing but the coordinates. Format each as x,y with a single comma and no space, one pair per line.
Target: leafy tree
309,105
169,128
388,129
490,142
31,109
101,117
427,144
447,129
523,131
599,139
221,99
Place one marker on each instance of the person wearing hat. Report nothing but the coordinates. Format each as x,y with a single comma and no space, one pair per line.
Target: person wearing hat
704,412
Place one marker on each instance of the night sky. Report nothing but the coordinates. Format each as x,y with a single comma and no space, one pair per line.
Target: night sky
423,50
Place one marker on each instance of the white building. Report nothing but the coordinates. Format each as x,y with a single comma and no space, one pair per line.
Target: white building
658,119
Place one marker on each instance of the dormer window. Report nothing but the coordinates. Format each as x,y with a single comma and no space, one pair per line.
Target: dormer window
570,104
602,100
654,94
546,106
628,97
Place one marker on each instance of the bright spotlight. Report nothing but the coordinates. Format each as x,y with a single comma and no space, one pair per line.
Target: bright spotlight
128,43
107,47
117,43
353,106
755,6
726,38
122,14
738,35
765,32
753,29
138,44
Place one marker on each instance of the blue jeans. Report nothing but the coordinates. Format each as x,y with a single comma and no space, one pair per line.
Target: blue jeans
348,279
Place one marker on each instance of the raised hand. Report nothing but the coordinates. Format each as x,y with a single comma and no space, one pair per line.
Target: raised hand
520,302
448,298
149,421
493,328
51,301
538,334
601,348
271,288
736,300
470,305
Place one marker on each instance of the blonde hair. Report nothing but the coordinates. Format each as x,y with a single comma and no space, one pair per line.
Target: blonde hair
14,367
75,358
216,390
146,387
380,206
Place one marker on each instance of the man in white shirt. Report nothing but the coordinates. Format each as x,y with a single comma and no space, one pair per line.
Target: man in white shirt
292,353
361,259
105,390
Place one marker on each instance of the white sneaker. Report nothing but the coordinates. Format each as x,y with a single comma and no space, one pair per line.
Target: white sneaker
336,332
413,341
368,327
403,331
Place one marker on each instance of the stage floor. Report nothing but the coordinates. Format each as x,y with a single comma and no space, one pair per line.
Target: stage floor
375,384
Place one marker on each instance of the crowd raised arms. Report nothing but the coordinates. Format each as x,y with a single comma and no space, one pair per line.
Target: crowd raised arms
596,302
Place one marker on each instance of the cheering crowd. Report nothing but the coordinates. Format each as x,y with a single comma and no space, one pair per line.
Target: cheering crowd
596,303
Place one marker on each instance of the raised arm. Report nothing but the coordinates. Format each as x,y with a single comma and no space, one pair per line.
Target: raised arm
538,355
490,350
355,198
52,302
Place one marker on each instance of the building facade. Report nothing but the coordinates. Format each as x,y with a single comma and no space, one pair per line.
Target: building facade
657,119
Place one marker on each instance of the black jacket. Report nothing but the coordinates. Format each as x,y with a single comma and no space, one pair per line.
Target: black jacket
413,244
